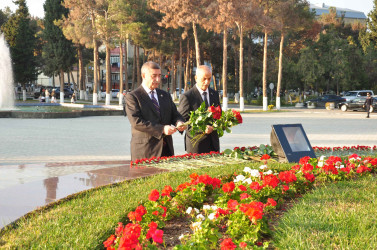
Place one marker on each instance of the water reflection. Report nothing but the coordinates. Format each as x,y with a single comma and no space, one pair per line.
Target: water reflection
51,185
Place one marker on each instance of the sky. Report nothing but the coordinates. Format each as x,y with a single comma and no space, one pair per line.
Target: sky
36,6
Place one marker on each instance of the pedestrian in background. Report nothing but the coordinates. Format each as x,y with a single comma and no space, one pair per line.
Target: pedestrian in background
368,103
53,98
73,99
47,96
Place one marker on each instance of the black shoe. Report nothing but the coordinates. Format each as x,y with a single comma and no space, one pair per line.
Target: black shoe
367,116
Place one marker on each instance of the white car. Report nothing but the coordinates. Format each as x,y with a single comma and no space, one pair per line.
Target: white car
114,93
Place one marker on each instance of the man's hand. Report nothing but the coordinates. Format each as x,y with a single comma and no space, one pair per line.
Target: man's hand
209,129
169,130
181,126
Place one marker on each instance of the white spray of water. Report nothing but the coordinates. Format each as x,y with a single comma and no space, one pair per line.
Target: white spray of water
6,77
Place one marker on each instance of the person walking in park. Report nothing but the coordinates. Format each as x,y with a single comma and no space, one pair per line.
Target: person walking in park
153,116
47,96
191,101
53,98
368,103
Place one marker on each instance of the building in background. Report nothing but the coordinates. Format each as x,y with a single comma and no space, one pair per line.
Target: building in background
349,16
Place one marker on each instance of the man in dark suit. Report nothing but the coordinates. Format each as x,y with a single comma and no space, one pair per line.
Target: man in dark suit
190,101
153,116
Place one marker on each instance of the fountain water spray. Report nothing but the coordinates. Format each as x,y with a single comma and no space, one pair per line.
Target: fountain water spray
6,76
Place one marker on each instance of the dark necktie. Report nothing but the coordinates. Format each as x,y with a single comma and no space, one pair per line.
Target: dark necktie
205,98
155,103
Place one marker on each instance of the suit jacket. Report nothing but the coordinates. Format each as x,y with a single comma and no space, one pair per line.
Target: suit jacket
190,101
147,125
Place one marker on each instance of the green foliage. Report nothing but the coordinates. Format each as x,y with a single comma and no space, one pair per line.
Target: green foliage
21,38
58,52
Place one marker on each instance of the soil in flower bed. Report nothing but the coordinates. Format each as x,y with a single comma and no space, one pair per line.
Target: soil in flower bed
175,228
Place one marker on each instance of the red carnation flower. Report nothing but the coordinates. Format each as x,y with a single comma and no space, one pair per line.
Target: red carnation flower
232,204
166,191
228,187
270,180
154,195
271,202
227,244
255,186
309,177
157,236
141,210
243,245
265,157
244,196
242,187
109,241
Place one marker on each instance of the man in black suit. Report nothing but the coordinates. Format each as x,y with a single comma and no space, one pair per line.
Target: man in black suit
153,116
190,101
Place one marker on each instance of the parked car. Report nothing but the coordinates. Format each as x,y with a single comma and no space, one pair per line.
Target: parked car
68,92
350,95
357,105
322,100
114,93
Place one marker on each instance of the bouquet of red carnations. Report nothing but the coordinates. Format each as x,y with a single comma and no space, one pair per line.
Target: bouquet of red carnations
220,121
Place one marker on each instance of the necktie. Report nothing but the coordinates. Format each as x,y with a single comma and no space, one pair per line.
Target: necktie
155,103
205,98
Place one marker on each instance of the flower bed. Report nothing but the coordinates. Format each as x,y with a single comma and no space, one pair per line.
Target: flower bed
232,211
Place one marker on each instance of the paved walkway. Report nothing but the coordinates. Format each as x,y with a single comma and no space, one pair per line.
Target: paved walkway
43,160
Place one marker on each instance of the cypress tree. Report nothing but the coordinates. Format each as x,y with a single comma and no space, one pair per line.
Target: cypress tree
58,52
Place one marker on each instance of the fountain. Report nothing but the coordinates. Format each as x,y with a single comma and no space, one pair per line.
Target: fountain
6,77
37,110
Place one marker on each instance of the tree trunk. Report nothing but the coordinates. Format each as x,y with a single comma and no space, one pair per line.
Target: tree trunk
187,65
197,49
95,75
134,69
225,69
264,81
81,72
61,86
236,71
138,75
249,65
280,72
108,74
173,78
74,83
180,67
126,66
120,97
191,68
242,108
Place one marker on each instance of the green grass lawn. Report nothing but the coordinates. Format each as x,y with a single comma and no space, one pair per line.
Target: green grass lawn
335,216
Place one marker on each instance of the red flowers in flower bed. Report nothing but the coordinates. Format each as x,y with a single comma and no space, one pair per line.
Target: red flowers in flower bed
174,157
236,207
